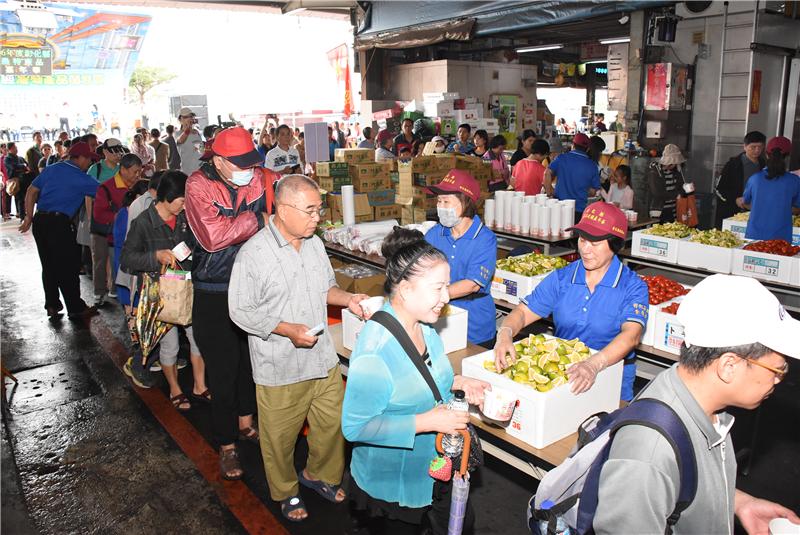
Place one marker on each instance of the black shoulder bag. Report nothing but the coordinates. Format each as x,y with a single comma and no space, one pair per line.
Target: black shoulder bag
99,228
396,329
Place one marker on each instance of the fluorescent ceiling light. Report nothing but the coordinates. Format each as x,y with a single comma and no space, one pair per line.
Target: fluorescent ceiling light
539,48
615,40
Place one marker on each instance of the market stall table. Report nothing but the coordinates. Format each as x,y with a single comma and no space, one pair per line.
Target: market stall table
496,442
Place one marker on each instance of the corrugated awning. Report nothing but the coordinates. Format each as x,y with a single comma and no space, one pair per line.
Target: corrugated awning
387,23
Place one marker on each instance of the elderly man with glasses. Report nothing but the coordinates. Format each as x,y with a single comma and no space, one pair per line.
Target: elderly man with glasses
734,355
281,285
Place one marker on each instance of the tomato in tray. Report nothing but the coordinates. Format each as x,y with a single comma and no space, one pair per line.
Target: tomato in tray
778,247
671,309
662,289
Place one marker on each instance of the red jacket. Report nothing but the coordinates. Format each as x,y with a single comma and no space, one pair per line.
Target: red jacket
108,201
222,218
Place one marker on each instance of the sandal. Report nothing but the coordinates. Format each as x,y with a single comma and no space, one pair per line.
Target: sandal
250,434
290,505
204,396
229,465
326,490
180,401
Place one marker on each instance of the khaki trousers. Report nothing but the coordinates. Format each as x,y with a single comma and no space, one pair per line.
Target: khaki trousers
281,413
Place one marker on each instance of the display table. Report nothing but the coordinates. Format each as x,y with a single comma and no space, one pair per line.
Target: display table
496,442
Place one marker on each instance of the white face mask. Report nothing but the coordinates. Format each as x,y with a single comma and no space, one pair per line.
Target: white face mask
438,149
447,217
243,177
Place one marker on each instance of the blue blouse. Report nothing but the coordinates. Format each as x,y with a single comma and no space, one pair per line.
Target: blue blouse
771,202
384,394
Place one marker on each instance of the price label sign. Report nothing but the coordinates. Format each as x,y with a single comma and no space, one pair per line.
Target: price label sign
673,335
760,266
654,247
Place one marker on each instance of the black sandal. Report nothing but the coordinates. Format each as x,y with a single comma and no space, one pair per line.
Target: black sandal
179,400
292,504
228,463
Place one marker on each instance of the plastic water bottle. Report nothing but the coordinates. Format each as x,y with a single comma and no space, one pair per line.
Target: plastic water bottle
453,444
561,525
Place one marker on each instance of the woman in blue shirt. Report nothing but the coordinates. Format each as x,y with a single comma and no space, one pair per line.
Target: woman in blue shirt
470,249
389,412
596,299
771,194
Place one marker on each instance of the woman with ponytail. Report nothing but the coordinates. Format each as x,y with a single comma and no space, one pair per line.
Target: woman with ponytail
771,194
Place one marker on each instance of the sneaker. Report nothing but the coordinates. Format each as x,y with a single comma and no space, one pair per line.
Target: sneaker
141,378
99,300
112,294
182,363
155,366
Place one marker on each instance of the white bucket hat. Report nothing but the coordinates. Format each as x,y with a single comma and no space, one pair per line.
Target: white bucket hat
672,155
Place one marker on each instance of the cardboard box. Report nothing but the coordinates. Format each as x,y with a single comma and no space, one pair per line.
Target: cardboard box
420,164
542,418
333,184
655,247
384,197
333,169
384,213
360,279
369,170
699,255
484,173
452,329
437,109
765,266
370,184
354,155
668,335
411,214
446,162
363,210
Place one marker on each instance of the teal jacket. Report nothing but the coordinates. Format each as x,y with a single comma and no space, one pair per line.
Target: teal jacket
384,394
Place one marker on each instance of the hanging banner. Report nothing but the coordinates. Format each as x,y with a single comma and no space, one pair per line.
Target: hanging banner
755,94
339,58
655,97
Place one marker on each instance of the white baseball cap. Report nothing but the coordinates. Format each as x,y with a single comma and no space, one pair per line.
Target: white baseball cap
435,139
726,310
185,112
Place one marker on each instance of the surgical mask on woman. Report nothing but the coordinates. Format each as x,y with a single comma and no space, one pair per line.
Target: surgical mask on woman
243,177
448,216
439,148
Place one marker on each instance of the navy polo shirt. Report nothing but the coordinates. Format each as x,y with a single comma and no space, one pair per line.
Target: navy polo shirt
63,187
771,202
576,173
472,257
594,317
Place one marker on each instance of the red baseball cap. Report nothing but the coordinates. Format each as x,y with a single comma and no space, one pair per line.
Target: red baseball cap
83,149
600,221
780,143
235,145
384,136
457,181
581,140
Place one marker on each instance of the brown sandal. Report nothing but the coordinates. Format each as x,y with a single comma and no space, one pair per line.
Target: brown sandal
179,400
229,465
250,434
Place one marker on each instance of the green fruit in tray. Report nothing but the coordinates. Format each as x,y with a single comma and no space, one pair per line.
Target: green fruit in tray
532,264
744,216
541,362
717,238
669,230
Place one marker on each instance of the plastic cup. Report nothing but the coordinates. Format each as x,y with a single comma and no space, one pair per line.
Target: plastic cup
498,404
372,305
782,526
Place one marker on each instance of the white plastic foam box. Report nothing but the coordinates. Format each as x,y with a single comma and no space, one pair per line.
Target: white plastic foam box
513,287
764,266
542,418
452,329
737,227
710,257
650,330
795,235
655,247
668,335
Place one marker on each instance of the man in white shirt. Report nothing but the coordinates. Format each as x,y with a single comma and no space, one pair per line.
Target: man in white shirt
190,143
283,158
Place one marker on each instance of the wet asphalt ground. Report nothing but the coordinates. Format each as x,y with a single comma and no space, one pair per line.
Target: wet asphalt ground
84,451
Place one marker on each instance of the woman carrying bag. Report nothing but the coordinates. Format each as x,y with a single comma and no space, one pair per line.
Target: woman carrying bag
153,236
390,412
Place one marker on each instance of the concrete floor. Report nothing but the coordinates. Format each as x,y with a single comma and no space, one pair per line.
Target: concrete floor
83,451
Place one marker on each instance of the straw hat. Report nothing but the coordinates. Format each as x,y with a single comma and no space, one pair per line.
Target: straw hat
672,155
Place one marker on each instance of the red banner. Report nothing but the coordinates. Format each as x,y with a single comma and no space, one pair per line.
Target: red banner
340,61
755,95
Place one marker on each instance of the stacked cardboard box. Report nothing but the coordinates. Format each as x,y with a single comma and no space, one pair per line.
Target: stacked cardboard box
363,211
354,155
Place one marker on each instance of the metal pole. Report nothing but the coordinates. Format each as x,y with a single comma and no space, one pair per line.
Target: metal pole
750,74
719,89
782,99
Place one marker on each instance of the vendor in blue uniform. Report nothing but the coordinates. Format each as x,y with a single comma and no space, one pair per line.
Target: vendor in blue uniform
471,250
771,194
596,299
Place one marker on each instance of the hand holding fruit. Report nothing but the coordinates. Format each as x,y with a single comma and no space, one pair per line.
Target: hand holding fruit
582,374
504,347
440,419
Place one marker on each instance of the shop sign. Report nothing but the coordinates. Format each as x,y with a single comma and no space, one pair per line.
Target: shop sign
15,61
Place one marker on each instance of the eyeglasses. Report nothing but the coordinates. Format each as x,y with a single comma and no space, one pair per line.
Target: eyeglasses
310,213
779,374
